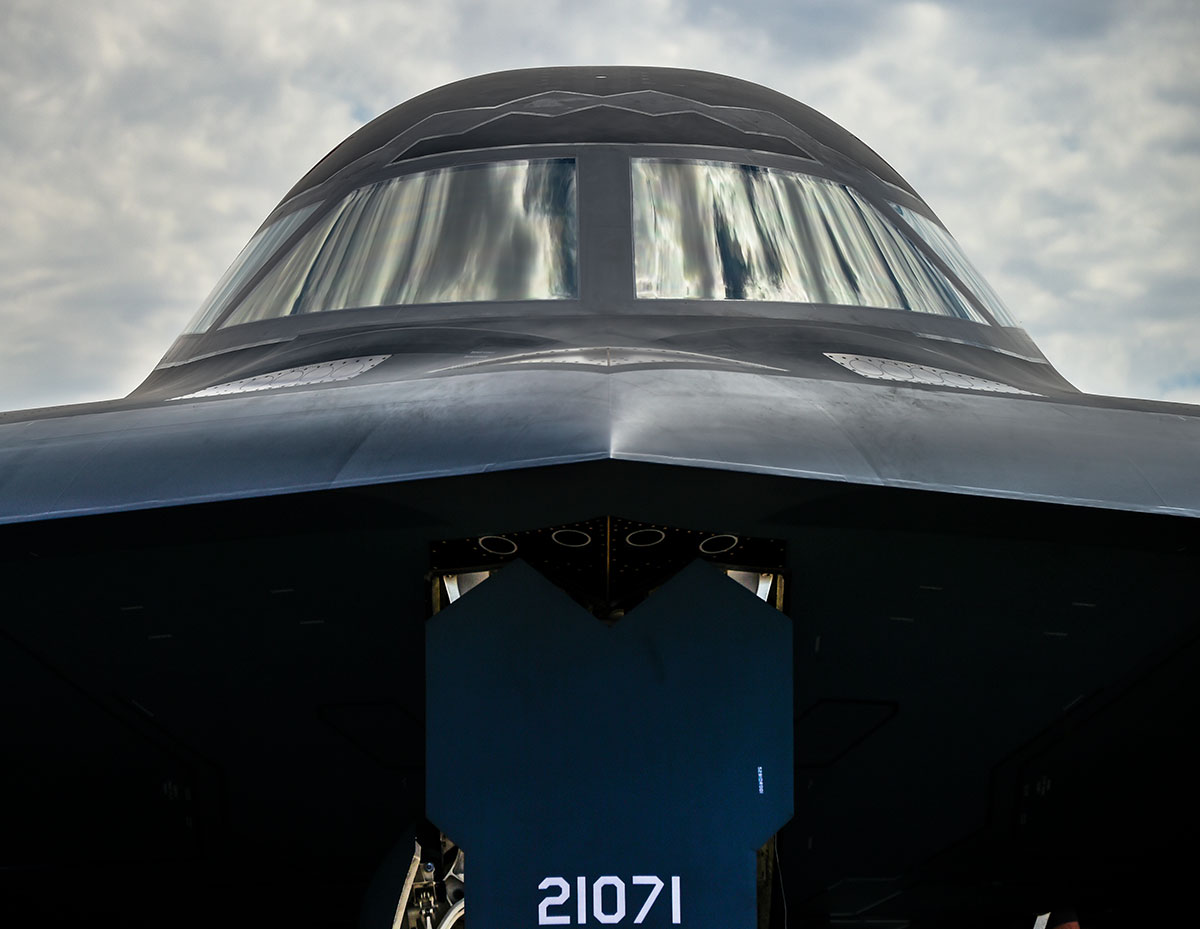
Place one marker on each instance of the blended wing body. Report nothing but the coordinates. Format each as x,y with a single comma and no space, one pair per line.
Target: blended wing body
538,342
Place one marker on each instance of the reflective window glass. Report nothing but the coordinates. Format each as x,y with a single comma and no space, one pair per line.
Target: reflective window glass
502,231
249,260
948,250
723,231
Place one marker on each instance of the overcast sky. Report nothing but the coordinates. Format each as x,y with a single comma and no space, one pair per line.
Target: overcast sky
143,142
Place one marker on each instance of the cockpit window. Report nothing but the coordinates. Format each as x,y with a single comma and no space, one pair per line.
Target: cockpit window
722,231
249,260
500,231
948,250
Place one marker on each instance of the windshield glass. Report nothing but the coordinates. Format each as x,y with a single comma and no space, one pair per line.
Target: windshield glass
723,231
502,231
948,250
249,260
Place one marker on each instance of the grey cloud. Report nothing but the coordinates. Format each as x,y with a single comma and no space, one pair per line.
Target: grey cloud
1187,142
820,30
1052,279
1057,21
1190,379
812,30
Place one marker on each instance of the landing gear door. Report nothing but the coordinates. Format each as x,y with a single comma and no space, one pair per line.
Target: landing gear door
609,774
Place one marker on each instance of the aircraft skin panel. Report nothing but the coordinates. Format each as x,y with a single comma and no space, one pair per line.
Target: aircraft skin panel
351,435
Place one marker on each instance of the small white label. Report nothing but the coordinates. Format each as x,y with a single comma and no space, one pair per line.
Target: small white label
608,899
760,780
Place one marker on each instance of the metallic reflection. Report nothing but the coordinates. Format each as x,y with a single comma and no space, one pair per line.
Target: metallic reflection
249,260
503,231
949,251
325,372
607,357
888,369
722,231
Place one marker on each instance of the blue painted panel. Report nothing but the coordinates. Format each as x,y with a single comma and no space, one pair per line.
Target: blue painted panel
560,747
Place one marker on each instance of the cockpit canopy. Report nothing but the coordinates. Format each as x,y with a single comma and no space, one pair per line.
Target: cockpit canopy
506,230
615,198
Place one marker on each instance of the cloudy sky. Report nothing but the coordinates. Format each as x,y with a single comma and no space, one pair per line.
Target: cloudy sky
142,143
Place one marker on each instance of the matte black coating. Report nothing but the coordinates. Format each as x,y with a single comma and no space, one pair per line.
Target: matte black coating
494,90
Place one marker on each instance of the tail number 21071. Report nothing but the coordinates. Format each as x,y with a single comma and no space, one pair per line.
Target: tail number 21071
607,899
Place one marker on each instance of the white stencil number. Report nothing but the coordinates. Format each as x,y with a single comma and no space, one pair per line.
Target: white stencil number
544,917
608,898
